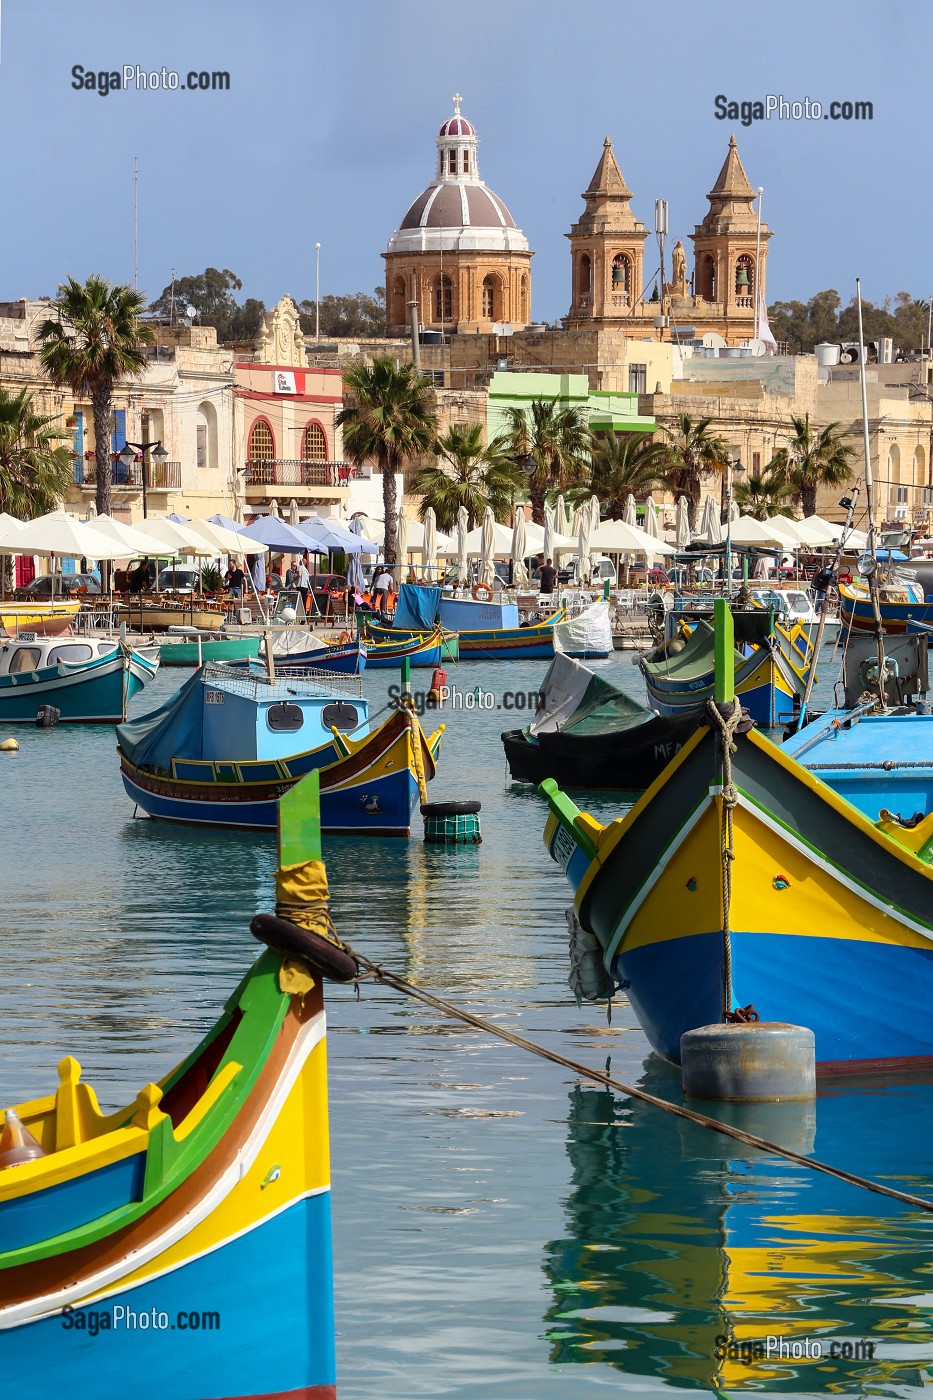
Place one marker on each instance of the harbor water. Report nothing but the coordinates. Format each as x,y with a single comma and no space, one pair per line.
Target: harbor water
504,1229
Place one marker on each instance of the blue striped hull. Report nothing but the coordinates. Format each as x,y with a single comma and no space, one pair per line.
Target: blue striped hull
271,1290
94,697
376,807
675,985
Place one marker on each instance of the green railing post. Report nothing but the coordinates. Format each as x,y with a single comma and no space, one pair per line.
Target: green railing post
406,675
724,692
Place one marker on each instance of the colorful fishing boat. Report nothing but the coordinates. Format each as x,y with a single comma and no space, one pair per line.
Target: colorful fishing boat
337,658
201,1210
418,649
487,631
771,667
901,601
379,632
45,618
152,616
588,734
88,681
185,650
223,750
826,914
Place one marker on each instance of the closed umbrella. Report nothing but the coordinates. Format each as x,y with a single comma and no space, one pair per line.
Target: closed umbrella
682,527
293,516
487,570
560,521
429,547
630,513
651,519
547,544
710,523
401,545
463,529
584,536
519,550
355,567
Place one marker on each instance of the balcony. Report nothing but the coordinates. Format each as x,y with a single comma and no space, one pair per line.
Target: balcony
160,476
288,474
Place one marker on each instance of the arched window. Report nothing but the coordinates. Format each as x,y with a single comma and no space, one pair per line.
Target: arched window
585,275
451,162
745,277
261,442
466,162
919,466
707,278
523,299
443,299
397,310
314,443
206,430
894,473
489,298
621,273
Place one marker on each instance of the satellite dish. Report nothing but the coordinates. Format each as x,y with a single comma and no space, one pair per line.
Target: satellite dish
712,341
191,311
757,347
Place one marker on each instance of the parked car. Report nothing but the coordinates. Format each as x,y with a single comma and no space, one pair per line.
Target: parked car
65,585
179,578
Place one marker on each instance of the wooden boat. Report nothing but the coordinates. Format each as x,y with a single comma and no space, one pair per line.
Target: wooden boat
337,658
487,631
770,668
200,1210
223,749
45,618
378,632
419,650
194,651
901,602
152,616
587,734
830,916
90,681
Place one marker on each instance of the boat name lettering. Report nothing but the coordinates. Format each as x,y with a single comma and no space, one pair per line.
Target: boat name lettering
213,697
564,847
748,1350
120,1318
27,636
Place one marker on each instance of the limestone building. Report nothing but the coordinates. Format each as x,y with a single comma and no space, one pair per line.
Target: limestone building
457,251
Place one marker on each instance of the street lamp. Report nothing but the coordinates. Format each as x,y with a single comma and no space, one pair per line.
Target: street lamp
128,457
317,291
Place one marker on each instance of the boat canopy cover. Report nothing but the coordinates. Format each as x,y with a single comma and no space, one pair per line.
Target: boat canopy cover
416,609
693,659
590,631
573,698
174,730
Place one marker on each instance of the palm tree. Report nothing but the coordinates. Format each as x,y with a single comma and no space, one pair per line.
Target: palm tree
622,464
553,446
690,451
814,457
766,494
472,475
390,421
96,341
35,465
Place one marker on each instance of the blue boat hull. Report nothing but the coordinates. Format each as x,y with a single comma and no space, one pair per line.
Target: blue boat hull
270,1339
95,693
343,661
805,981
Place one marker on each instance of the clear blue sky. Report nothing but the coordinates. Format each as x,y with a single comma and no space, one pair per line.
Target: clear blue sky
327,132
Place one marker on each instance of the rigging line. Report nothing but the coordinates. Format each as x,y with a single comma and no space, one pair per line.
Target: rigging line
390,979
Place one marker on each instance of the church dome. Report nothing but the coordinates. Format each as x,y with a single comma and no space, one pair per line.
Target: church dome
457,210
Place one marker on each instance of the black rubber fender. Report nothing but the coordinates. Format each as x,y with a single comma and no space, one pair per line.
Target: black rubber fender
450,809
293,942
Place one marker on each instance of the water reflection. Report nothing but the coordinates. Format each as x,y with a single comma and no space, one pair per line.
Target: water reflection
682,1249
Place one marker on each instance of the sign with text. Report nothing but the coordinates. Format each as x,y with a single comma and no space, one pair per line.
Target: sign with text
283,381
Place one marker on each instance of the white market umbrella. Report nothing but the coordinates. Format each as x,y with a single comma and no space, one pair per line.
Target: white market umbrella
630,513
487,572
651,525
293,517
559,518
429,544
60,534
173,536
618,537
224,540
710,524
797,533
584,547
596,513
463,529
134,540
519,549
747,530
401,544
355,578
535,538
682,526
547,542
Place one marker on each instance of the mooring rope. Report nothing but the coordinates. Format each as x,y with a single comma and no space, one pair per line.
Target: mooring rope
399,984
727,725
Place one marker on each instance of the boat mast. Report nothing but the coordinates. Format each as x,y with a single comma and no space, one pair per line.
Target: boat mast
869,491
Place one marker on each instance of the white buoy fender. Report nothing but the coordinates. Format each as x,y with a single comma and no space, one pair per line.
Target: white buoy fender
749,1062
9,746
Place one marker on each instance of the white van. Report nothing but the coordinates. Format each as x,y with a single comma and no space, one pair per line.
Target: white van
601,569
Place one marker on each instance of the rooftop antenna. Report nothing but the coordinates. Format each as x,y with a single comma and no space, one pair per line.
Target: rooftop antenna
758,266
171,307
660,228
136,222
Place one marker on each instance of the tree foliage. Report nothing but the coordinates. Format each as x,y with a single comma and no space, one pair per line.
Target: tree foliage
35,464
622,464
356,316
813,457
388,418
552,444
96,340
690,451
804,325
471,474
765,494
211,293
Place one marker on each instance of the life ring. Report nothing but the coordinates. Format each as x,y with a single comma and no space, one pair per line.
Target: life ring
482,592
343,639
293,942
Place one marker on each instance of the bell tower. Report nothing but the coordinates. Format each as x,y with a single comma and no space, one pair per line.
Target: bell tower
607,246
725,272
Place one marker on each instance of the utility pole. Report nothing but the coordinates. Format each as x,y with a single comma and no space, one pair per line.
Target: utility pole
317,291
136,222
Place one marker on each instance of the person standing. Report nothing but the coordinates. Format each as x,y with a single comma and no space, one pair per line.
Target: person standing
547,577
235,579
304,582
382,587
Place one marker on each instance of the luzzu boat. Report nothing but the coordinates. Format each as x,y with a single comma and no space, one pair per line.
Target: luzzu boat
338,658
48,618
419,649
201,1210
378,632
901,602
185,650
830,917
88,680
771,668
487,631
223,749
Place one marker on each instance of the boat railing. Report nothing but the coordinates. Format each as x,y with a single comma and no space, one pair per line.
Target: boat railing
255,684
